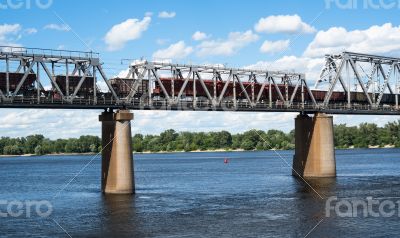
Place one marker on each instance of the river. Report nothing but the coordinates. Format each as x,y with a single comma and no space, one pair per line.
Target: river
198,195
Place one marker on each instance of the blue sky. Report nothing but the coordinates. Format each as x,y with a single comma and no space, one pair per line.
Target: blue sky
216,18
290,35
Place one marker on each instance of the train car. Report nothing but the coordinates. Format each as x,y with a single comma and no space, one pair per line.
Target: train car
200,92
188,91
336,97
14,79
123,86
209,84
355,97
85,90
388,99
358,97
319,95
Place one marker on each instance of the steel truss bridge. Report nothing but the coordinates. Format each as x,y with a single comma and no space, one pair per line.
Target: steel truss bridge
350,83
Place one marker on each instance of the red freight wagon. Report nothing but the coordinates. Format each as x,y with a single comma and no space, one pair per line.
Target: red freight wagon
86,88
14,79
123,86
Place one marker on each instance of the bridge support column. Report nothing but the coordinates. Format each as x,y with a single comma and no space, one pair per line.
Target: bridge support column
315,151
117,159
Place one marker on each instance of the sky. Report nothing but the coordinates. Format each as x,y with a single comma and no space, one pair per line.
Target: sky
287,35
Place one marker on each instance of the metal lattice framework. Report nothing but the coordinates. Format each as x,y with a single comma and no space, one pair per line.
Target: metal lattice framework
373,76
197,74
68,63
44,78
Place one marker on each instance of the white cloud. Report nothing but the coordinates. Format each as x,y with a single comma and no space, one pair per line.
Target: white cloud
57,123
235,41
129,30
9,33
165,14
31,31
62,27
290,24
175,51
9,29
375,40
209,121
274,46
74,123
148,14
123,73
198,35
310,66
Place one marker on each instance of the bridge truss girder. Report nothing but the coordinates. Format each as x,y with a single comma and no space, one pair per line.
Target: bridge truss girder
168,86
369,83
152,71
34,61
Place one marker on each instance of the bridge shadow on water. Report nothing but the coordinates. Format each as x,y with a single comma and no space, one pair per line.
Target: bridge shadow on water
311,196
313,207
125,216
318,187
120,216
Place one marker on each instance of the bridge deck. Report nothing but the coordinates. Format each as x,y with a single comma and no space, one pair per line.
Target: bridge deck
338,108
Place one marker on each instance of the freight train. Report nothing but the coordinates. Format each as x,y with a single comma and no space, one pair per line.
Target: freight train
122,87
173,86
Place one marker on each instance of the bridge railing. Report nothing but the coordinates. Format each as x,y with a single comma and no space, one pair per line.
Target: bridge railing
190,105
49,53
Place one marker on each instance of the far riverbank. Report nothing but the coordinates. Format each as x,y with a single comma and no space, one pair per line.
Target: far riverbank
196,151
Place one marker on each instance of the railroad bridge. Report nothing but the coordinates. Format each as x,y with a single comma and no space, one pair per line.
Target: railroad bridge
350,83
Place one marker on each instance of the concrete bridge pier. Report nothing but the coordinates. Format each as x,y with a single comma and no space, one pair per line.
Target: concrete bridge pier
117,159
315,149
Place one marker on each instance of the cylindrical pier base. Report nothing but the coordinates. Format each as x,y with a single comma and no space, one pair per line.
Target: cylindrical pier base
117,176
315,149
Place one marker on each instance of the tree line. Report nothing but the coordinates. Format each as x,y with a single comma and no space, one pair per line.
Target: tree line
39,145
361,136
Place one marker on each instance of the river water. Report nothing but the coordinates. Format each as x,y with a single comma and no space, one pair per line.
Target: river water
198,195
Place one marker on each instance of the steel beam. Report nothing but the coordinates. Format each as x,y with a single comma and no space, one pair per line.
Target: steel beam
261,90
7,76
244,90
359,81
225,87
160,83
204,87
136,83
52,79
22,80
277,89
183,86
103,75
333,84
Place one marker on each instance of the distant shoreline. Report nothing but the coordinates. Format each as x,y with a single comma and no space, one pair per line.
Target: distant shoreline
145,152
195,151
58,154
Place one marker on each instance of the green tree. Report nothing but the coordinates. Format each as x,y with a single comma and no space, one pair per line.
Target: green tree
13,150
38,150
31,142
247,144
137,143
